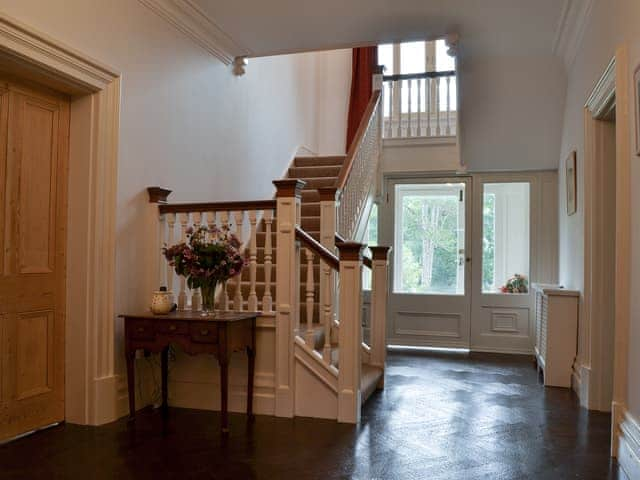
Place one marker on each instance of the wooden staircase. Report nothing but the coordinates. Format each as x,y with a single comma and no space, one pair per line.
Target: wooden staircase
305,283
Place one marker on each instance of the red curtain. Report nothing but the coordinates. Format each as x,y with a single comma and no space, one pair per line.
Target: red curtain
364,61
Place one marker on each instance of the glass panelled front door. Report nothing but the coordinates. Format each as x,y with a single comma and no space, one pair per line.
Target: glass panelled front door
429,302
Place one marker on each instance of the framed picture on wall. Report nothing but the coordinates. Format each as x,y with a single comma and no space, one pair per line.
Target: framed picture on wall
636,89
570,177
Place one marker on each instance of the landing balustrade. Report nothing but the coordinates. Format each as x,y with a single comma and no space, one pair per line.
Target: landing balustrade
420,105
251,222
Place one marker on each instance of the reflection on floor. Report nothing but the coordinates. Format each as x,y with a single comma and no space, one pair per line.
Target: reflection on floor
441,416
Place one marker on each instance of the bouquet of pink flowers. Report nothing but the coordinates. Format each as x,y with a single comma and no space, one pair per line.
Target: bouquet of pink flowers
516,284
209,256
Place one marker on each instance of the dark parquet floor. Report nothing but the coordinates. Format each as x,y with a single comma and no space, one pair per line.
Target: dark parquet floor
441,417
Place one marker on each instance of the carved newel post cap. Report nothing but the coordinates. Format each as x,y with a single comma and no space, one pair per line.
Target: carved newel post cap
158,194
350,251
328,194
380,252
289,187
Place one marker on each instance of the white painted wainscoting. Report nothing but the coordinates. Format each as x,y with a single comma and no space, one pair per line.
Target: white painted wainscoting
626,440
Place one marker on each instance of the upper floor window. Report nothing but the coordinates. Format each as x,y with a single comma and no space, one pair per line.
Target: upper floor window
415,57
419,90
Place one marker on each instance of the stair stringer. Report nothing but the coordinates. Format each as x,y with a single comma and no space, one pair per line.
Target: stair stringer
316,384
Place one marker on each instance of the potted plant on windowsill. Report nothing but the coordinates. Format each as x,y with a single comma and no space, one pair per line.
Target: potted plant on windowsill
210,256
516,284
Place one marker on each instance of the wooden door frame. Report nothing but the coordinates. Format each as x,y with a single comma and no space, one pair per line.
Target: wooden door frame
91,386
615,82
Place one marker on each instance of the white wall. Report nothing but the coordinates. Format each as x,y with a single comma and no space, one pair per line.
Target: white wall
187,123
510,112
611,23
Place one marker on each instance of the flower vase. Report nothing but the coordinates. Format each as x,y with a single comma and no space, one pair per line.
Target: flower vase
208,291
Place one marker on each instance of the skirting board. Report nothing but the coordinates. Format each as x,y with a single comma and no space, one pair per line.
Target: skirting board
628,432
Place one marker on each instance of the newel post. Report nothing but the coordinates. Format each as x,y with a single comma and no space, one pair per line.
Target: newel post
379,295
288,194
350,333
159,196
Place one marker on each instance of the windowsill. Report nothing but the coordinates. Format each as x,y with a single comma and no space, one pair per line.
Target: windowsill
500,294
419,141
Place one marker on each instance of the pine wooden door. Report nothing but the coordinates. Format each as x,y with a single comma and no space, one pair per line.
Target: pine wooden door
34,133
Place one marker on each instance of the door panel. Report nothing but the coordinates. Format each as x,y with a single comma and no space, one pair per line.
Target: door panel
33,184
429,304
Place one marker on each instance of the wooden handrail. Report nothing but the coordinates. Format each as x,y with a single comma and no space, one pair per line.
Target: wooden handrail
417,76
367,118
324,253
217,206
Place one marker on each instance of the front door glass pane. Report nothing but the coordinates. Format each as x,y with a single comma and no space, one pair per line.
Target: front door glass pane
430,239
505,238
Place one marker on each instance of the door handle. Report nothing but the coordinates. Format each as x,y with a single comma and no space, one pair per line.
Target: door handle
468,259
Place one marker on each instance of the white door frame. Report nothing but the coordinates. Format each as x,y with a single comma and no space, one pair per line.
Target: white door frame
91,386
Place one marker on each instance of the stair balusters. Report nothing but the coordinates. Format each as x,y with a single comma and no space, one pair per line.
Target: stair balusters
267,302
174,221
310,294
404,115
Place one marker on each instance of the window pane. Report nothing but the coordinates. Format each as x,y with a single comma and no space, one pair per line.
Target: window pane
371,239
430,239
505,238
412,57
385,57
444,62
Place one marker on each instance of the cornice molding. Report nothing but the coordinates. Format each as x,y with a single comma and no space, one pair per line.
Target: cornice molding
188,18
603,98
570,30
23,41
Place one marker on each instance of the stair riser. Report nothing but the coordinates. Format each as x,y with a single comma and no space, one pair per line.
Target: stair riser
318,161
313,183
314,172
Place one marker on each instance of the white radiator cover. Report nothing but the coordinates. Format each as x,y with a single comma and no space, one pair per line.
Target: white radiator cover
556,333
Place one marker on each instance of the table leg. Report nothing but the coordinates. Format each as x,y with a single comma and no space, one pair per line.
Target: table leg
251,354
224,391
164,365
131,382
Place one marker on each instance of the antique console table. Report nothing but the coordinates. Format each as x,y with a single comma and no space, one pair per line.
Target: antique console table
221,335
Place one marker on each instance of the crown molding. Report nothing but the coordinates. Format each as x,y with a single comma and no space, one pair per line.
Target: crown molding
23,41
199,27
602,100
570,30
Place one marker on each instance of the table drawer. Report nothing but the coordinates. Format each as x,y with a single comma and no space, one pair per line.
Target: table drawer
141,329
172,327
203,332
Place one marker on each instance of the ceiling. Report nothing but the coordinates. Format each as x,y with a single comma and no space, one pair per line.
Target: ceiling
486,28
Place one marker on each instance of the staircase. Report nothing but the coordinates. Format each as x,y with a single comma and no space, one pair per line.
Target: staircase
319,172
306,286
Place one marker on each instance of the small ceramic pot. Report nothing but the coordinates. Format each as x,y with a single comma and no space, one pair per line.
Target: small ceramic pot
161,303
